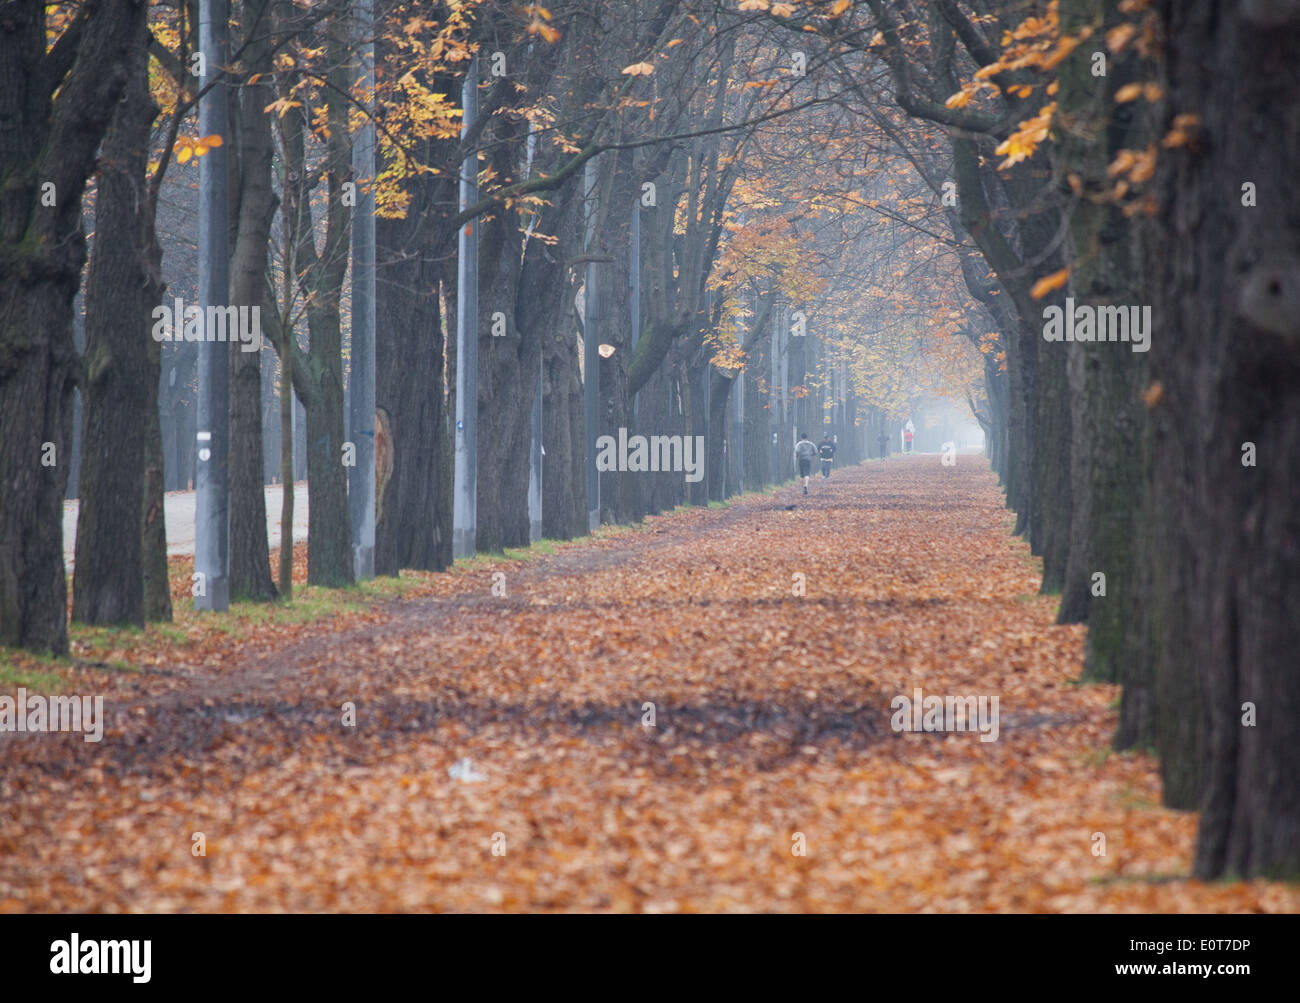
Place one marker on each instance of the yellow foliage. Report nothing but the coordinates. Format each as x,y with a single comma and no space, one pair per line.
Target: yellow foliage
1049,282
1120,36
193,147
1023,142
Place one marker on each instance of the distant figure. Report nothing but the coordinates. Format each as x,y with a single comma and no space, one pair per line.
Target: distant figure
882,440
804,451
907,440
827,453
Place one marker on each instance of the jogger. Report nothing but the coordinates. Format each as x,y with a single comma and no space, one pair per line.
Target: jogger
804,451
827,451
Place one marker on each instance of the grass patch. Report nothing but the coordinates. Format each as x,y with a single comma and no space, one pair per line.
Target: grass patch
1158,878
545,547
191,632
127,649
478,562
32,672
523,553
1098,756
106,647
1131,799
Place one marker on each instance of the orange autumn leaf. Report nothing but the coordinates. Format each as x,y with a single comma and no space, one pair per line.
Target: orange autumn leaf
1119,36
772,728
1049,282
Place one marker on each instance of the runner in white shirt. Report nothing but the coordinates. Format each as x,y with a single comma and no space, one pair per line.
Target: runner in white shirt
804,451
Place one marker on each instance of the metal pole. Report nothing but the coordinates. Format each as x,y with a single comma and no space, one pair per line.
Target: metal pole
774,418
211,480
361,477
832,378
590,354
535,465
464,533
740,431
705,387
707,392
535,449
787,412
846,423
634,269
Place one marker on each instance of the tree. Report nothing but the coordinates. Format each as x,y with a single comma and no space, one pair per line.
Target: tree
58,101
123,285
253,205
318,372
1225,355
1092,129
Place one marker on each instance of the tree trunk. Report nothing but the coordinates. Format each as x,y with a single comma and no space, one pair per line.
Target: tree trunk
550,280
329,534
413,515
1076,580
286,467
620,490
1227,303
122,288
250,567
47,150
1105,378
507,380
153,542
564,481
318,374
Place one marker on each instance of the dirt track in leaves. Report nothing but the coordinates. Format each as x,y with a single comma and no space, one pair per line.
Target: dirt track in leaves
772,734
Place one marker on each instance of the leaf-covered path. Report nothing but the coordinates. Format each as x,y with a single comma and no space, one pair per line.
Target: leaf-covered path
771,734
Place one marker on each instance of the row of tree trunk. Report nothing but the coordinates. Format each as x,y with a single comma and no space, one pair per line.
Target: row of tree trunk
1156,485
1181,492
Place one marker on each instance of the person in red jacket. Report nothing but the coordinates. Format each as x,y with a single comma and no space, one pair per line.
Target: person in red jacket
907,440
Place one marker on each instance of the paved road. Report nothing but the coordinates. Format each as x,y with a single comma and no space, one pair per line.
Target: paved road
180,520
701,716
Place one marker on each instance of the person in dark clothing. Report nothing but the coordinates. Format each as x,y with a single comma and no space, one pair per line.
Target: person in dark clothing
827,453
882,440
